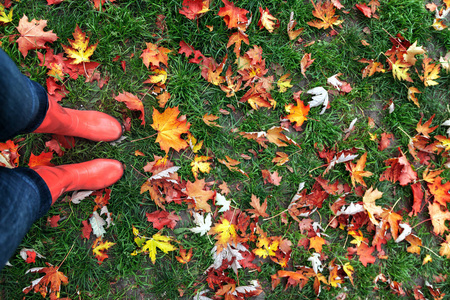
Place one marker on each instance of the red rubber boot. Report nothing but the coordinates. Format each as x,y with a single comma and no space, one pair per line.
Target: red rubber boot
88,124
91,175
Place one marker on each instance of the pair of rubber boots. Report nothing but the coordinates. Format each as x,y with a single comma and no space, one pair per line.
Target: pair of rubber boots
92,175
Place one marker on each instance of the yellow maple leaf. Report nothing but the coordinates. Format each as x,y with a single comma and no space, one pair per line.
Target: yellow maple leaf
100,248
266,246
400,70
79,51
445,247
158,241
5,18
195,147
169,128
349,270
430,72
412,51
411,95
267,20
284,83
226,234
200,164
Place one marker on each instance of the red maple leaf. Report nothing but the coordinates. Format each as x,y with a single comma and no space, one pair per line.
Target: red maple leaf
161,218
233,16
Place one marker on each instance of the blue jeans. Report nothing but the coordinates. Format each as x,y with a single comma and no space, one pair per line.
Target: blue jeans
24,195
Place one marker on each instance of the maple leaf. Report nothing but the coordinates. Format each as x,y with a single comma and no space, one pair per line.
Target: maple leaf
281,158
267,20
357,171
393,219
284,83
305,63
340,85
274,178
87,229
365,254
210,120
155,55
226,233
412,51
52,277
79,52
297,114
200,164
203,223
373,67
415,242
157,241
194,8
9,154
234,17
400,70
198,192
364,9
5,18
259,210
299,278
237,38
438,218
99,249
400,170
440,191
326,13
445,247
320,98
161,218
184,257
169,128
411,95
430,176
316,243
32,35
385,140
133,103
418,196
425,128
293,34
42,159
369,204
231,164
430,72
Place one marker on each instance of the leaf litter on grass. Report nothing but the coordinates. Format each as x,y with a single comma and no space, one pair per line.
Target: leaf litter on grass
244,239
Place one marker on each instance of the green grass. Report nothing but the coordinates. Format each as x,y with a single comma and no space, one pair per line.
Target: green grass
123,28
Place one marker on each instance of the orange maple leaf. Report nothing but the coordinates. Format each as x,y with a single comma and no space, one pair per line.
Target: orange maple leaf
445,247
259,210
155,55
169,128
425,127
133,103
237,38
357,171
184,257
306,62
316,243
440,191
438,218
226,234
198,192
32,35
99,249
42,159
233,16
324,12
52,277
297,114
430,72
194,8
393,219
415,242
411,95
373,67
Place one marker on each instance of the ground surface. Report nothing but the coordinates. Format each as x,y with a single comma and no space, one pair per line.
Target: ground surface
122,30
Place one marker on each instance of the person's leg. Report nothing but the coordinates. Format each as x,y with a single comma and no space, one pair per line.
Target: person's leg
24,198
23,102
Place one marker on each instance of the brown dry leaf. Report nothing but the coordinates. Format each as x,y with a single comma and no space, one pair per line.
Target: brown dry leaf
231,164
281,158
293,34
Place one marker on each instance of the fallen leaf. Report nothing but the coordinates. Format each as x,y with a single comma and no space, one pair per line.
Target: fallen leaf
133,103
326,13
79,50
32,35
99,249
52,277
161,218
155,55
267,20
305,63
184,257
234,17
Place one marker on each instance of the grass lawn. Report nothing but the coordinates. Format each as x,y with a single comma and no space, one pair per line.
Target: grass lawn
335,232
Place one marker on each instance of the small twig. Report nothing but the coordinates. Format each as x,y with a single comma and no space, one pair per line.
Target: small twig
331,221
144,138
70,250
401,129
266,219
392,208
143,175
430,250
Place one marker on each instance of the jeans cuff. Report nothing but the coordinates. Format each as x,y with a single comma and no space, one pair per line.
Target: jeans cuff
42,188
38,92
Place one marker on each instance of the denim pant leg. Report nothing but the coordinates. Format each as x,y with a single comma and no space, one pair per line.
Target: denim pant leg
23,102
24,198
